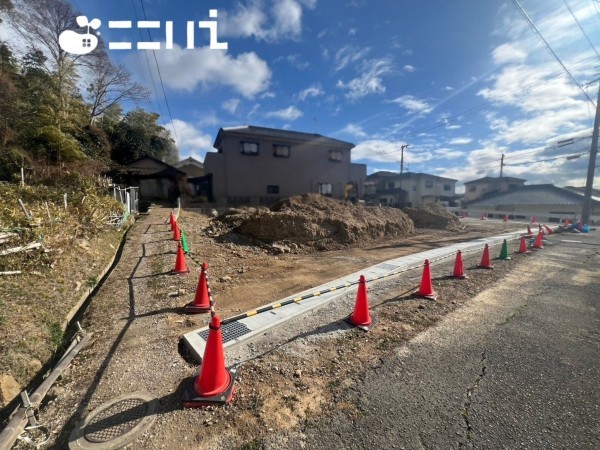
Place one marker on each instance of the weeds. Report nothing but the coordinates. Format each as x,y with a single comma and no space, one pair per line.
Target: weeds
56,334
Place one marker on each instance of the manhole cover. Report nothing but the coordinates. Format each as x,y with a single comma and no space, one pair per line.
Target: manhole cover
229,331
115,423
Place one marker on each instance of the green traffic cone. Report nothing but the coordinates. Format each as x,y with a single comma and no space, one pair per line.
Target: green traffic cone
504,251
184,243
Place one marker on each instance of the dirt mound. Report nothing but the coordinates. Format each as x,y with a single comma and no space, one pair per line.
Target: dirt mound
316,221
433,216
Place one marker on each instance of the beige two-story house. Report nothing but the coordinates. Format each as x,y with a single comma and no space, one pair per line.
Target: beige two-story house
476,188
259,166
410,189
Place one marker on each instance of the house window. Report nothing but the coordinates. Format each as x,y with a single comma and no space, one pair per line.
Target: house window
325,189
281,151
428,183
335,155
472,188
390,185
447,187
272,189
249,148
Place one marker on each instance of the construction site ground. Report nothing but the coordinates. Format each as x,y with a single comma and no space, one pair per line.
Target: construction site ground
288,378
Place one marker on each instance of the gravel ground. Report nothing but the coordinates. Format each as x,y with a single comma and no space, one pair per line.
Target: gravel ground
289,378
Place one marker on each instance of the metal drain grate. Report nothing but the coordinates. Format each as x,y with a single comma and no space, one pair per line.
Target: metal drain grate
116,421
230,331
388,267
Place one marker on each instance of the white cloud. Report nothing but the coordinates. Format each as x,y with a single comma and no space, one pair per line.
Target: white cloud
448,88
280,19
460,141
289,113
409,69
349,55
313,91
354,130
369,82
508,53
352,31
381,150
446,153
191,141
453,127
184,70
231,105
413,104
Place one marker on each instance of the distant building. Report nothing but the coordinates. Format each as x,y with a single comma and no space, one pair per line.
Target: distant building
486,185
545,201
409,189
257,165
157,180
192,167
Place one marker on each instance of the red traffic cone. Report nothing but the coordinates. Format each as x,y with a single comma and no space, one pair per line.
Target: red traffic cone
180,266
540,228
567,222
171,220
538,240
483,216
505,218
529,232
201,303
580,225
533,219
523,246
214,385
176,233
426,288
548,229
485,259
361,317
459,271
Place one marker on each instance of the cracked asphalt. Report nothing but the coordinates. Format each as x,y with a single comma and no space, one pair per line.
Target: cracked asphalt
518,367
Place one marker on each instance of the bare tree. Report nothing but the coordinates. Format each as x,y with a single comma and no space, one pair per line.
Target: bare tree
110,85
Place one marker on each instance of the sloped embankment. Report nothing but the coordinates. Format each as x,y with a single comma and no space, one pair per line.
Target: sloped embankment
433,216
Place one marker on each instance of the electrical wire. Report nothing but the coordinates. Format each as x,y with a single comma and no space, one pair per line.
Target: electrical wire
532,25
161,80
581,28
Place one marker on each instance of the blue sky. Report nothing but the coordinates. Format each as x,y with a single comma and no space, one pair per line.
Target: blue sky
460,81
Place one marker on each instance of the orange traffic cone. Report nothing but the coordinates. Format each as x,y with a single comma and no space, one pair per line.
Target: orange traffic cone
176,233
523,246
201,303
214,385
426,288
548,229
485,259
538,240
567,222
361,317
505,218
459,271
483,216
180,266
533,219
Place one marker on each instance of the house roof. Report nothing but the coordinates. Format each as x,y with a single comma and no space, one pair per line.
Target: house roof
581,191
539,194
189,160
151,166
283,135
386,174
487,179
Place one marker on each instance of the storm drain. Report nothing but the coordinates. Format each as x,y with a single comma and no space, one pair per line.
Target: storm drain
229,331
385,266
115,423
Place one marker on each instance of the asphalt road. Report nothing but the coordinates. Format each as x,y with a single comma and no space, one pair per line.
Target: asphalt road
518,367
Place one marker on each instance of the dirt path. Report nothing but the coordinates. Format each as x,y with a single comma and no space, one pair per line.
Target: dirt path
137,325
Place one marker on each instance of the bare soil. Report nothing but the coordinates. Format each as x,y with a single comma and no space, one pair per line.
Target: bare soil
137,321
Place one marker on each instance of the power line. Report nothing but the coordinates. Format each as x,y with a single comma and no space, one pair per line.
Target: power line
581,28
161,80
532,25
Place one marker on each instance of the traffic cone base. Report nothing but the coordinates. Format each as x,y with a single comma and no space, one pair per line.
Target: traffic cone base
193,308
371,324
192,400
201,303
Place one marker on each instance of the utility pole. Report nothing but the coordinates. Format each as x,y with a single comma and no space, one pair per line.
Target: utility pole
587,199
501,165
402,147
